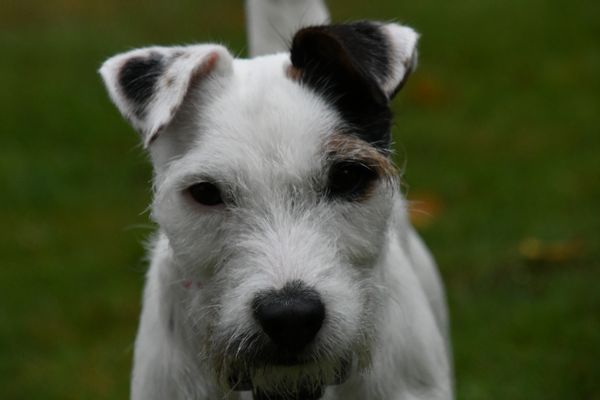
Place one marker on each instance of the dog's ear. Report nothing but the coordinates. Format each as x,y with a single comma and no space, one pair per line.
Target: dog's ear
359,67
375,55
149,85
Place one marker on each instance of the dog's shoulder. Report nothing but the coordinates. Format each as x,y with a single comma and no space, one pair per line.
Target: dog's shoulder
422,264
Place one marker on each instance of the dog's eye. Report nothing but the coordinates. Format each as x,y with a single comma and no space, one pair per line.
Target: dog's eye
350,180
206,193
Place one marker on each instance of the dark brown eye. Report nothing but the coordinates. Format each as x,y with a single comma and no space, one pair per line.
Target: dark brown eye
206,193
350,180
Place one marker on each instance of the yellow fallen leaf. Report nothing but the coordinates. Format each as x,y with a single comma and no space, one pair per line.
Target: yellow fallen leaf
424,208
535,250
427,91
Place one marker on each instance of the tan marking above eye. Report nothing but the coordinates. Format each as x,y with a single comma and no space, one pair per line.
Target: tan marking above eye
347,147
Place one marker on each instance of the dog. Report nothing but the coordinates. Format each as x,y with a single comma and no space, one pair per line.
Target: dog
284,266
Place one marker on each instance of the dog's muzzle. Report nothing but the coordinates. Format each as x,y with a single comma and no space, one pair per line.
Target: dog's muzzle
309,393
308,390
290,319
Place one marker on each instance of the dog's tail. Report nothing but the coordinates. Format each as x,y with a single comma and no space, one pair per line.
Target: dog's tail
271,24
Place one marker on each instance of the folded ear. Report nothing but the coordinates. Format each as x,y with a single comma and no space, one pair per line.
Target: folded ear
403,56
378,55
358,66
149,85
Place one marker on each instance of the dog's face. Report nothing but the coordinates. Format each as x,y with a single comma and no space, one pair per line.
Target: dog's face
274,187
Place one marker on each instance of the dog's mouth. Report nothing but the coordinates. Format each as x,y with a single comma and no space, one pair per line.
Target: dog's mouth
303,393
306,387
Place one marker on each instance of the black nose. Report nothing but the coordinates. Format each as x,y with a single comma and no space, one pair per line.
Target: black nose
291,317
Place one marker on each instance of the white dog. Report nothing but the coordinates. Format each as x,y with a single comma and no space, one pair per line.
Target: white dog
284,266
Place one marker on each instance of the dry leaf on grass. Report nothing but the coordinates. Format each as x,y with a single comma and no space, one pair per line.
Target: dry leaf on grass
424,208
427,91
536,250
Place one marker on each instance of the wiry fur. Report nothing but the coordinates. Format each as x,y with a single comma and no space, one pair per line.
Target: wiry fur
268,141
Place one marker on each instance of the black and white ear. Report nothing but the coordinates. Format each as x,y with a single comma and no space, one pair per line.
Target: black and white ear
369,53
402,57
359,67
149,85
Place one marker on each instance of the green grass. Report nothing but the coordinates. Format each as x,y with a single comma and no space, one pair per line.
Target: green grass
500,123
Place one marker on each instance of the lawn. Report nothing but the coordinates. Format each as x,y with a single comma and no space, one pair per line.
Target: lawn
498,132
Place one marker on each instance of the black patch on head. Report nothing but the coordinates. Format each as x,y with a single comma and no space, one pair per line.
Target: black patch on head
345,63
138,79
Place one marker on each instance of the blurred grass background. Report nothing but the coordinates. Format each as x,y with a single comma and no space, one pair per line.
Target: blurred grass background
498,130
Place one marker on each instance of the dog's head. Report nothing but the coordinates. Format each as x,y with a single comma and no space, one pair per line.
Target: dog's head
274,187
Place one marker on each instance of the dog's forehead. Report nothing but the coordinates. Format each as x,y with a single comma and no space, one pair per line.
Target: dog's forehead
263,119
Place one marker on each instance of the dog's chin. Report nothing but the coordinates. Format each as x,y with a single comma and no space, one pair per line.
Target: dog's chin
290,379
302,393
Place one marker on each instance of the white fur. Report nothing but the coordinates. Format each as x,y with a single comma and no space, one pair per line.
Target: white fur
271,23
403,41
261,136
